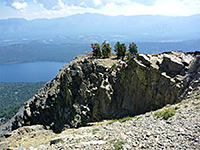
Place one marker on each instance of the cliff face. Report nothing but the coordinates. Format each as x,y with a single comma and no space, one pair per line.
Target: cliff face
90,89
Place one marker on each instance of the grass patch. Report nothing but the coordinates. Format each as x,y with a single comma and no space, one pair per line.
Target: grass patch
197,97
94,131
166,113
125,119
112,121
118,145
102,137
184,102
196,103
111,141
120,120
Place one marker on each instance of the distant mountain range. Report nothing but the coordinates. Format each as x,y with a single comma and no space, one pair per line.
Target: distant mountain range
91,26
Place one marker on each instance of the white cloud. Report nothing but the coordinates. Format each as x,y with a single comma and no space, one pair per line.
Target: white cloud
19,6
160,7
61,4
97,2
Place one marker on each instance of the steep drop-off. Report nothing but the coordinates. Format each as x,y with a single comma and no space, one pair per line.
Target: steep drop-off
89,89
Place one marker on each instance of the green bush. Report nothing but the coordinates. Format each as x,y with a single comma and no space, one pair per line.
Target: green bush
177,107
166,113
118,145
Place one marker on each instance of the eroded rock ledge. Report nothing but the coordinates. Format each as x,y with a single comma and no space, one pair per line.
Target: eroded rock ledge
90,89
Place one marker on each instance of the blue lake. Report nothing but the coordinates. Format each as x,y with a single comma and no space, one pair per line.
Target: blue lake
30,72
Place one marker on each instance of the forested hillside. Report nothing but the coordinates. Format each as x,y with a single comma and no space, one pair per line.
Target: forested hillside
13,95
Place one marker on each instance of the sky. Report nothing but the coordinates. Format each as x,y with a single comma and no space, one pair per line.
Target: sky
32,9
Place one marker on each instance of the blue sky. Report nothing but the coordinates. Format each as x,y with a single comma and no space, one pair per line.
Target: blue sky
31,9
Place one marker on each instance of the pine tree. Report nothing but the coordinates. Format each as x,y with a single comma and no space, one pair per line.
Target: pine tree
98,50
123,49
133,49
120,50
106,49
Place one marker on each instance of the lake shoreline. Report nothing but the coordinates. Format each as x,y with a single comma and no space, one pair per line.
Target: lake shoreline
30,71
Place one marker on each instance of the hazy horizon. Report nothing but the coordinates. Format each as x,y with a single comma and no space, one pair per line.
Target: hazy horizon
96,14
33,9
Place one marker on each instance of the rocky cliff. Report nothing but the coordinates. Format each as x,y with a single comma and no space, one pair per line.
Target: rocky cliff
89,89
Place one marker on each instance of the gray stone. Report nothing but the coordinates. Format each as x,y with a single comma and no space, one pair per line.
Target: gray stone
19,148
171,65
87,90
56,141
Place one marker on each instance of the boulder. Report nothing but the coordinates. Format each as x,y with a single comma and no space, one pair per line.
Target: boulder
171,65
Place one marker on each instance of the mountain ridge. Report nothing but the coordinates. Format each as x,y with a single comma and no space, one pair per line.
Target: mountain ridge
139,28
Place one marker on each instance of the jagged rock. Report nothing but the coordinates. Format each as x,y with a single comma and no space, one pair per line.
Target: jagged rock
7,135
90,89
186,59
171,65
195,66
56,140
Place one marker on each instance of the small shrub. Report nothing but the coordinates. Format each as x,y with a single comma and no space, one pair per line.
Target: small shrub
166,113
118,145
186,106
184,117
156,54
137,118
172,129
114,66
177,107
168,105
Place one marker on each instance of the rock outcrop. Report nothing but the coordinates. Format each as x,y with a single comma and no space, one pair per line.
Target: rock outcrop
89,89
